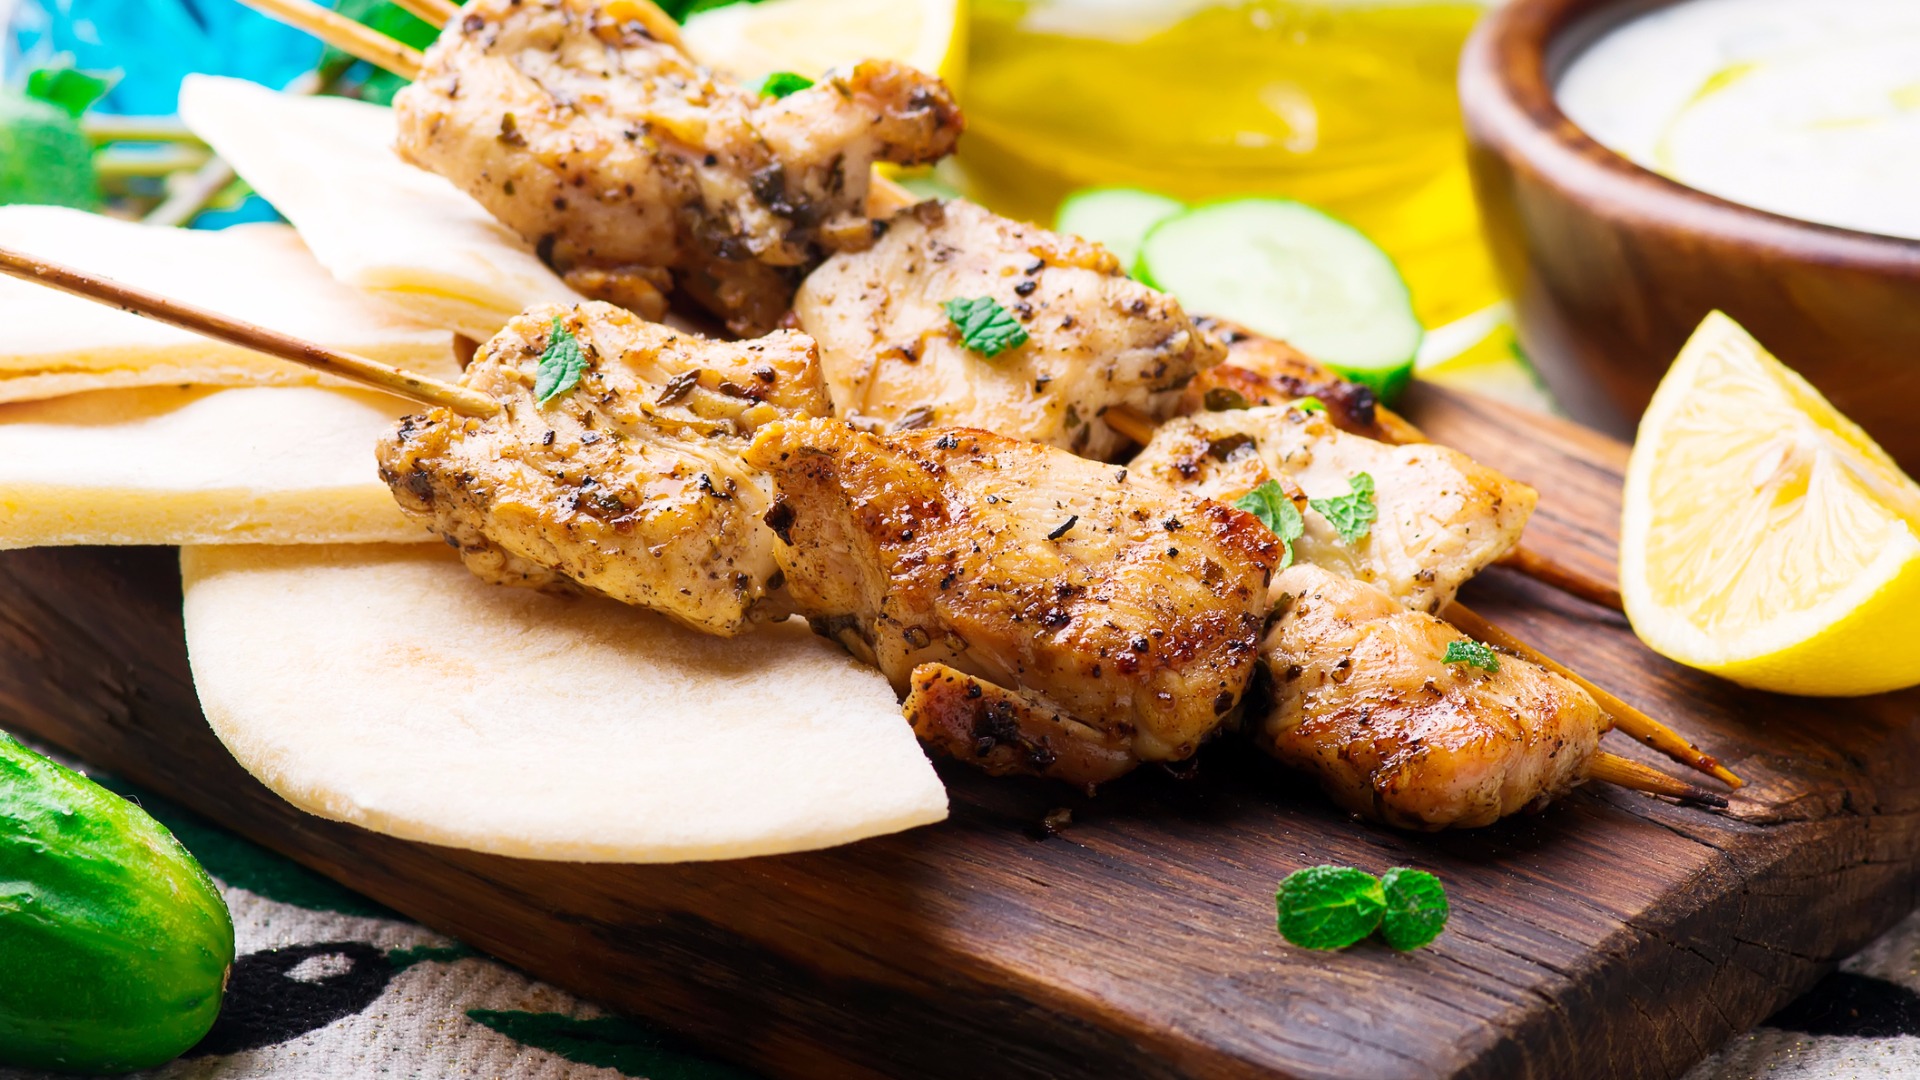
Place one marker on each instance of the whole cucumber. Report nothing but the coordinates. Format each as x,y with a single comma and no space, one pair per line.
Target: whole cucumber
114,943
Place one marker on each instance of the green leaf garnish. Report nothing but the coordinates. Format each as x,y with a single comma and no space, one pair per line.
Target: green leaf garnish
781,83
1417,908
561,365
1352,515
1473,654
985,327
1277,512
70,89
1310,404
1329,907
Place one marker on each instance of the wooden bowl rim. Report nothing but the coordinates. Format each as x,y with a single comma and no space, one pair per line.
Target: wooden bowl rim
1507,99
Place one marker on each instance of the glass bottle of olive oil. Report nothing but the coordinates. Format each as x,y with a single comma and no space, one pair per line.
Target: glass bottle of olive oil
1345,104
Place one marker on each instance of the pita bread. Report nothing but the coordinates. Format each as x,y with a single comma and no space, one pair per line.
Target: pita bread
58,344
282,465
405,235
390,688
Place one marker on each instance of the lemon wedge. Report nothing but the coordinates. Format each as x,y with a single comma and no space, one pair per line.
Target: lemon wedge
1766,538
751,41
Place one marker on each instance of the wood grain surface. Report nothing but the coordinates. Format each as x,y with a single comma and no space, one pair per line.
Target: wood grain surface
1612,266
1613,935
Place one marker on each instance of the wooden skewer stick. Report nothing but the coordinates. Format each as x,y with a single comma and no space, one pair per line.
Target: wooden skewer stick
247,335
435,13
1625,717
1565,578
1614,769
358,41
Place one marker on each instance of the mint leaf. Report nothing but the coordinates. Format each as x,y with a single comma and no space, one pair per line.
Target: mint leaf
1472,654
561,365
1310,404
781,83
1277,512
1329,907
985,327
44,156
1352,515
74,91
1417,908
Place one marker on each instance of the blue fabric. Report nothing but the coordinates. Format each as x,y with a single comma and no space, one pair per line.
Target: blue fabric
153,44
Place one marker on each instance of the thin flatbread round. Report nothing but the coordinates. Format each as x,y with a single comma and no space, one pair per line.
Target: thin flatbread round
390,688
167,465
403,234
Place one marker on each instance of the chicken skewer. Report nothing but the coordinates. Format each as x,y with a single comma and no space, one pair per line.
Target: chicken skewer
1123,417
948,711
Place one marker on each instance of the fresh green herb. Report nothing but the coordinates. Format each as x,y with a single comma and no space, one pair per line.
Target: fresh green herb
1310,404
1352,514
985,327
1416,908
781,83
561,365
1329,907
1332,907
1472,654
72,90
1277,512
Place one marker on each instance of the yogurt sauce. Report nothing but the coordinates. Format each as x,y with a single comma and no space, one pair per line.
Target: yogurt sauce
1806,108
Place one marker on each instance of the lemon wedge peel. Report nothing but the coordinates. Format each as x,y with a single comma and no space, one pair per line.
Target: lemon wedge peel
1796,568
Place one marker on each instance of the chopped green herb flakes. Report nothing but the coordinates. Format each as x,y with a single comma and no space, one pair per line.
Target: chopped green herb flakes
561,365
1417,908
1472,654
1277,512
1332,907
1310,404
1352,515
781,83
985,327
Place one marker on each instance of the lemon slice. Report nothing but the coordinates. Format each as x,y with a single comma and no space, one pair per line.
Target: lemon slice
1766,538
750,41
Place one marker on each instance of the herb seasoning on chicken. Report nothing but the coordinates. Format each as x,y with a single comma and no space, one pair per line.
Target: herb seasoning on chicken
630,482
1043,613
586,128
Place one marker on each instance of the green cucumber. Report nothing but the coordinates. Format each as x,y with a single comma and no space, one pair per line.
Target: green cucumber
1116,218
1289,271
114,944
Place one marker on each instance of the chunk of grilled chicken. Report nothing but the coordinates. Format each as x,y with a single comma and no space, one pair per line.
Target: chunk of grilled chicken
1095,337
1361,696
1259,370
1043,613
630,484
589,130
1441,518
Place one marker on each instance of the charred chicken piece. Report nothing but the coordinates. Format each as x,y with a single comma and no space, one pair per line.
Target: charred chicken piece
587,129
1262,371
1044,614
630,484
1362,697
1440,517
1095,338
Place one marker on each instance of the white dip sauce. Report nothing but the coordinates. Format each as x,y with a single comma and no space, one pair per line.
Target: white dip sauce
1807,108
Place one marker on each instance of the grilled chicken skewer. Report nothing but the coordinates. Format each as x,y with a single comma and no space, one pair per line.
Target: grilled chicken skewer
585,127
1023,727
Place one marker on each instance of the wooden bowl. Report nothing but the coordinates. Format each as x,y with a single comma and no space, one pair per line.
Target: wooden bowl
1612,266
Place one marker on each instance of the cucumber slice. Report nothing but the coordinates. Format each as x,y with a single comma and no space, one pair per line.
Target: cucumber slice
1291,272
1117,218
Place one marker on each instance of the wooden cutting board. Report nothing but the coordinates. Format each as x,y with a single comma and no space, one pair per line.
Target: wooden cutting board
1613,935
